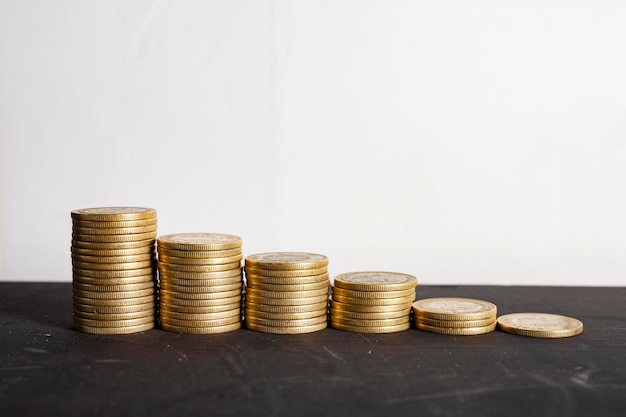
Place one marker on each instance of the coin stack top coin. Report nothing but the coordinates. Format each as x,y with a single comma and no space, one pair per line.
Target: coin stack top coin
113,275
454,316
286,292
372,301
542,325
200,282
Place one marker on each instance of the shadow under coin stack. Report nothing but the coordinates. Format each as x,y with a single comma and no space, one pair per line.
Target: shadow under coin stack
372,302
200,282
286,292
455,316
113,274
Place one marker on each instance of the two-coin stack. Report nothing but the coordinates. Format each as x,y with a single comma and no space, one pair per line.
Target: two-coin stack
372,301
200,282
454,316
113,274
286,292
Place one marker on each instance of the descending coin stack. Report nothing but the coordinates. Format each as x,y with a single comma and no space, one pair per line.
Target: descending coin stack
286,292
113,274
540,325
372,302
454,316
200,282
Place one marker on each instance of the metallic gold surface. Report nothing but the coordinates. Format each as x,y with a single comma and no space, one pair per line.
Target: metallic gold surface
135,237
286,294
370,329
289,288
455,323
286,261
199,261
318,306
199,254
285,301
199,241
114,330
201,330
371,309
167,267
141,272
375,281
541,325
451,308
457,331
113,214
374,301
285,330
373,294
260,272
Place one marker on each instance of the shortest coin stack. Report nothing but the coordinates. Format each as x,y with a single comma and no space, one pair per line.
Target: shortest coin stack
454,316
113,275
372,302
540,325
200,282
286,292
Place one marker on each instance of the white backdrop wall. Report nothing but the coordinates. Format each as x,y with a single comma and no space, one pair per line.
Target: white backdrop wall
462,142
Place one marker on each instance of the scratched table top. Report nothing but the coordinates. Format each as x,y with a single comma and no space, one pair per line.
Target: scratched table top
46,368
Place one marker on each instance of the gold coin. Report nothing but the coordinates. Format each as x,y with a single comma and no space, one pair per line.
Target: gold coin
286,323
286,301
286,330
447,308
114,224
373,301
455,323
375,281
284,316
366,329
94,309
146,243
114,238
369,316
280,287
200,296
370,309
199,241
104,295
198,268
113,323
106,214
540,325
201,330
114,252
260,272
200,254
167,299
124,266
238,286
113,288
457,331
373,294
143,279
286,261
370,323
84,273
197,276
113,302
114,330
113,259
236,312
286,294
113,230
200,283
115,316
307,280
169,308
199,261
319,306
201,323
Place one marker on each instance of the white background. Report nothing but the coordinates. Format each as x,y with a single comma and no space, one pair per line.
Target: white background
474,142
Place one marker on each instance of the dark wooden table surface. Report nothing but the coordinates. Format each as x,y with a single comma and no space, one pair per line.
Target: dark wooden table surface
48,369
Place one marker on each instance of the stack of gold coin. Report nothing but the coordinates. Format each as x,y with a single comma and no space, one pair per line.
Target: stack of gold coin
454,316
201,282
372,301
113,274
286,292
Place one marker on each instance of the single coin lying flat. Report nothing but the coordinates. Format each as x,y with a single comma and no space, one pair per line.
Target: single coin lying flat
540,325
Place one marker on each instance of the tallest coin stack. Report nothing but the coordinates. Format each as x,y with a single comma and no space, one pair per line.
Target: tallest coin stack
113,269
